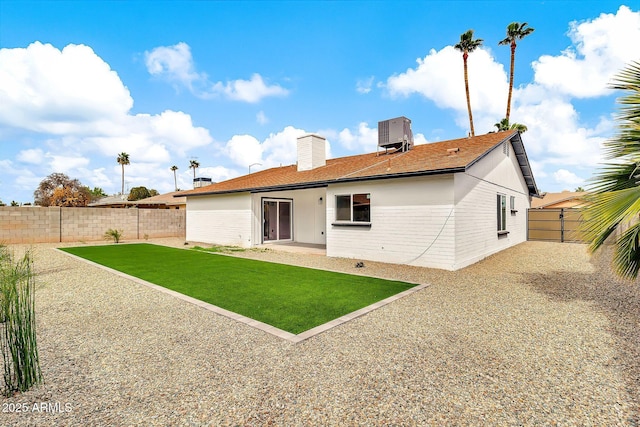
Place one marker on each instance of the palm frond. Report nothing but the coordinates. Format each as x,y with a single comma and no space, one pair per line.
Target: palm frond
606,211
626,256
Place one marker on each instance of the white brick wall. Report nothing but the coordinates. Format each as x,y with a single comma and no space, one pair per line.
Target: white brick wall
476,192
223,219
412,222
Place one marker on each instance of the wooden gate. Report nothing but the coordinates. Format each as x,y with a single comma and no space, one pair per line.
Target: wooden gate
555,225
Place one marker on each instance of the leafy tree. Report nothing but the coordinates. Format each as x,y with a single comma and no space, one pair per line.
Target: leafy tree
123,160
97,193
70,197
579,190
138,193
74,192
504,125
153,192
174,168
515,32
14,203
615,199
2,204
466,46
194,164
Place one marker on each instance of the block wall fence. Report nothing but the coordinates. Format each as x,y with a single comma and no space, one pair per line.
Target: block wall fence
57,224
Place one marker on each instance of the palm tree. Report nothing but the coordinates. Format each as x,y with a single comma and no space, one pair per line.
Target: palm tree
504,125
515,31
193,164
615,202
466,46
174,168
123,159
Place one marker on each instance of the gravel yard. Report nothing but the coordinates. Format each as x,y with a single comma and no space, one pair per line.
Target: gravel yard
537,334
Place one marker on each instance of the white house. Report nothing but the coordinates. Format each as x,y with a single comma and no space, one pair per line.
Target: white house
443,205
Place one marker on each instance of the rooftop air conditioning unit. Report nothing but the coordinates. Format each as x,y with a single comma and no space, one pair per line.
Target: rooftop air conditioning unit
395,133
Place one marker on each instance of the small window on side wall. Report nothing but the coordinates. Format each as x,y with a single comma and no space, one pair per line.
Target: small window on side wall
502,212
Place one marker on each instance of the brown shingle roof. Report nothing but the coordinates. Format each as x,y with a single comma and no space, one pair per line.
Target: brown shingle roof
421,160
170,199
566,198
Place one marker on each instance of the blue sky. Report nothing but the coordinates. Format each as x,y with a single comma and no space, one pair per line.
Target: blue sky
234,83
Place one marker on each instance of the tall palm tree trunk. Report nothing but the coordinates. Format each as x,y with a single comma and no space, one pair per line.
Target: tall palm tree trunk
122,180
511,74
175,180
466,88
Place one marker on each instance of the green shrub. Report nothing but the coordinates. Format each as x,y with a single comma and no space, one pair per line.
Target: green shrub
114,234
17,313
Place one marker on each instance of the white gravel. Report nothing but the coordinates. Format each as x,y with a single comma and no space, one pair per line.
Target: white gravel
539,334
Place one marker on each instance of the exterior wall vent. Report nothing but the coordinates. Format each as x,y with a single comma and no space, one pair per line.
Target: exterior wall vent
395,133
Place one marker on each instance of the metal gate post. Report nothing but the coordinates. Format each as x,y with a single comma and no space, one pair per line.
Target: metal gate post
561,225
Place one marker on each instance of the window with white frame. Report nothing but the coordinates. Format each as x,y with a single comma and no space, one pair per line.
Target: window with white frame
512,203
502,212
353,207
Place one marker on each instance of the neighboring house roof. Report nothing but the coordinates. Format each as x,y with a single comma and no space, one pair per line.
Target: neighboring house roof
425,159
117,201
565,199
166,199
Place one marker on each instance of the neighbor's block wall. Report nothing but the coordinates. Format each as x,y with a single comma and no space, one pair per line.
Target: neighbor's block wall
91,223
55,224
162,222
29,224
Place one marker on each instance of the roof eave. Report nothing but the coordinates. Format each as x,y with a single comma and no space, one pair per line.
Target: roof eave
325,183
521,156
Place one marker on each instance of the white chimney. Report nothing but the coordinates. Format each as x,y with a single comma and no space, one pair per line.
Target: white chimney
311,152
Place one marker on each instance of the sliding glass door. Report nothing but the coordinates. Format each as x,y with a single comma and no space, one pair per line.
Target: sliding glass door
276,220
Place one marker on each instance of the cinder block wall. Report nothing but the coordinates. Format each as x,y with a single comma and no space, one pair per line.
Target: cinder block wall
162,223
55,224
29,224
90,223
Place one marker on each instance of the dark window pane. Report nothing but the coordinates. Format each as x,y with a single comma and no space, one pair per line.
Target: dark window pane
343,208
361,207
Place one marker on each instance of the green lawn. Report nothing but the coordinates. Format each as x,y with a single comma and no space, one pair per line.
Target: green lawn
293,299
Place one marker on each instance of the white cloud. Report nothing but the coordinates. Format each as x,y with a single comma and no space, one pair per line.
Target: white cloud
175,129
244,150
33,155
439,76
364,139
75,106
173,63
600,48
277,149
419,139
66,163
251,91
59,91
218,173
364,85
282,147
567,178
